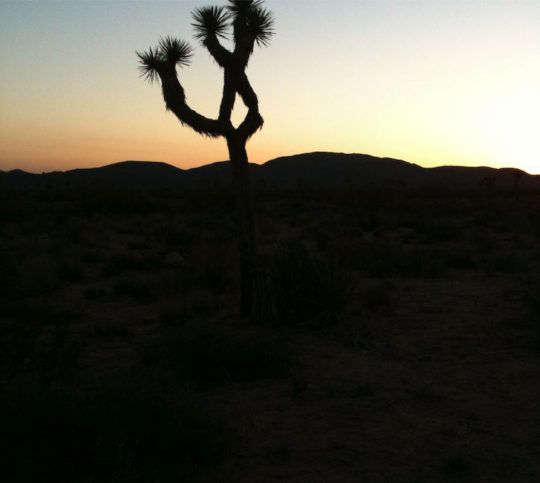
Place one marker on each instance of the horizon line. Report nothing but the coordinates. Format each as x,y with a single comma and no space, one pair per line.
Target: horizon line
263,163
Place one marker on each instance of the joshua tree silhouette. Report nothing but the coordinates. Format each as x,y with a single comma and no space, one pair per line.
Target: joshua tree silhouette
251,24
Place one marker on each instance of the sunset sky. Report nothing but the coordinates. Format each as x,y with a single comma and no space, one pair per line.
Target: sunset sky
432,82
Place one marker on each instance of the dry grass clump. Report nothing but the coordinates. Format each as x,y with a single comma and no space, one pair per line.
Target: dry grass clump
531,297
298,288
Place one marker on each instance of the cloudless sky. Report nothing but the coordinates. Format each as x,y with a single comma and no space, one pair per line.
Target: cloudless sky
432,82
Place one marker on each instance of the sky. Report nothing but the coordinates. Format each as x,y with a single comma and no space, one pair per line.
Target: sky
438,82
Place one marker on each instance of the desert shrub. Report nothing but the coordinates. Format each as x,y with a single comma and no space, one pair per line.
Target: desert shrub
298,288
482,241
378,297
139,291
110,328
324,228
115,435
186,297
8,274
383,258
171,316
200,303
457,468
91,256
531,297
172,234
216,199
208,355
38,274
71,270
190,306
425,262
123,262
461,256
390,258
16,207
505,261
349,252
208,266
119,202
38,340
70,229
94,293
439,229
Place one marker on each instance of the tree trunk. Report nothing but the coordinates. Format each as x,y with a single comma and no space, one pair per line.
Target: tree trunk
245,223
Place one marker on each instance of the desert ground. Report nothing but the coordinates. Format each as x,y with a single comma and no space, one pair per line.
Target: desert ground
396,337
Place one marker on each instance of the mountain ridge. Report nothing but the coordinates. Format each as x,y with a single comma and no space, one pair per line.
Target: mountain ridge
315,169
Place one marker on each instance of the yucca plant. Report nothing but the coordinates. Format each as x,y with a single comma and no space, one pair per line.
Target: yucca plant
251,24
298,288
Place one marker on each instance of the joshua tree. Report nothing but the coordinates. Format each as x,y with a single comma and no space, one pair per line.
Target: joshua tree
251,24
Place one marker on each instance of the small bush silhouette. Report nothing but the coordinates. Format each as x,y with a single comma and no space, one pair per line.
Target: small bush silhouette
378,298
39,340
384,258
297,288
532,299
139,291
208,266
121,263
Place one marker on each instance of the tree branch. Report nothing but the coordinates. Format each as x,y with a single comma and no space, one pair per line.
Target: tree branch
246,92
253,120
228,96
251,123
243,49
220,54
175,100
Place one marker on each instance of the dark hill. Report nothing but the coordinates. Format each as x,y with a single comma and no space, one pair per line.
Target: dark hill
336,169
18,178
361,170
317,169
127,174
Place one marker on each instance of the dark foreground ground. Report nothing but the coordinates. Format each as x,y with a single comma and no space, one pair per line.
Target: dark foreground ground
397,338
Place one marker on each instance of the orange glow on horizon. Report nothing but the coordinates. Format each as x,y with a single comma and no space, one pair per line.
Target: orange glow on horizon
432,83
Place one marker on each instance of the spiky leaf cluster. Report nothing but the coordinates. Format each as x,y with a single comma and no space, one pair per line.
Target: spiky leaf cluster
150,61
169,51
176,51
240,7
210,21
249,17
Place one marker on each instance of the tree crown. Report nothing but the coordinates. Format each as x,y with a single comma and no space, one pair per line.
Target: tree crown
251,24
